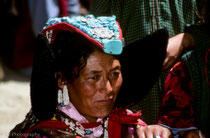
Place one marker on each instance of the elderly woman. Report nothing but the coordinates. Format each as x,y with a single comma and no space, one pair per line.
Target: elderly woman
75,82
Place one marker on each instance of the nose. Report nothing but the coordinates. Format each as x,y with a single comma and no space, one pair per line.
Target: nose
106,86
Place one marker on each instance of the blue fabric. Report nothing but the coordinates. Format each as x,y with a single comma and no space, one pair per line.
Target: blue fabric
175,131
39,14
73,7
42,10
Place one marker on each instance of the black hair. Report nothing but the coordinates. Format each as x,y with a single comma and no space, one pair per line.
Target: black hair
69,50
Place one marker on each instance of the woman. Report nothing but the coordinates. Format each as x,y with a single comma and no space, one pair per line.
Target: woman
75,82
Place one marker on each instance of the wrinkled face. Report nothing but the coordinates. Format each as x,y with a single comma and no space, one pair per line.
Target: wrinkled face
94,92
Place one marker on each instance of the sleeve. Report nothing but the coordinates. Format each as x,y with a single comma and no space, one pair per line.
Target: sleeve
176,112
200,34
100,7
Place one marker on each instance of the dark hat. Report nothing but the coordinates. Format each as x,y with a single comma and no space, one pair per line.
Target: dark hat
141,63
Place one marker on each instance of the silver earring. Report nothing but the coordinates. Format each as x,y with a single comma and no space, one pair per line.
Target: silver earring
63,96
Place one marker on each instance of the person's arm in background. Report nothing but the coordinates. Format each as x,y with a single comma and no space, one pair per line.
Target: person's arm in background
176,112
194,36
176,47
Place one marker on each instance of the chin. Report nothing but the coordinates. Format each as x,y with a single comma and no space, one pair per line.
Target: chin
103,113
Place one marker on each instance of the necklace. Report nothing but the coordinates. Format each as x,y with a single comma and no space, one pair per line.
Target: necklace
77,128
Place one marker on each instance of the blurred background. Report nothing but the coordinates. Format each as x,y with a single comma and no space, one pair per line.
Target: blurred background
21,22
14,100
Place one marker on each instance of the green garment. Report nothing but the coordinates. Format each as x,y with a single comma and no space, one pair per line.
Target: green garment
138,18
197,61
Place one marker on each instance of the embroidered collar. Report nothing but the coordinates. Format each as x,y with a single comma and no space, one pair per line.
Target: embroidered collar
79,124
71,111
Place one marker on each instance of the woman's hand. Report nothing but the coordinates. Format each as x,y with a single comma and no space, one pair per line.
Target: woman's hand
153,131
176,47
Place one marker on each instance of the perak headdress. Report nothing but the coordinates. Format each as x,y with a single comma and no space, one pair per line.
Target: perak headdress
104,32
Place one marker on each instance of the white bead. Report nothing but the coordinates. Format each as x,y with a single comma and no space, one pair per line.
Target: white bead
60,96
65,95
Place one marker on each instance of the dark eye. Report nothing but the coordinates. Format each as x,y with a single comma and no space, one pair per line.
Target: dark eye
114,75
94,77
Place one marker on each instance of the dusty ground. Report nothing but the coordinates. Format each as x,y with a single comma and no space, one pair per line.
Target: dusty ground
14,101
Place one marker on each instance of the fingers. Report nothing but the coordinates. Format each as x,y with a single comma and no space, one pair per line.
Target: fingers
175,49
161,132
165,64
144,132
165,133
169,61
153,131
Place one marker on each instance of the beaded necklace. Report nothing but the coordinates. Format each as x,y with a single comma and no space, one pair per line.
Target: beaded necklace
82,129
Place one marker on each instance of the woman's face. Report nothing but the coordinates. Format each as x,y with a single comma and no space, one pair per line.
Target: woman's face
94,92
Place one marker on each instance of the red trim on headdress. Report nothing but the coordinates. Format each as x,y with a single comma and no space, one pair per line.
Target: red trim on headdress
120,31
67,27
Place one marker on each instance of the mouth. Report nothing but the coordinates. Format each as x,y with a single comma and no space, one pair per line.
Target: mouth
104,102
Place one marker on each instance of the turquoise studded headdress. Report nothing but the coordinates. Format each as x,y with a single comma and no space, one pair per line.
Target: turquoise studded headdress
104,32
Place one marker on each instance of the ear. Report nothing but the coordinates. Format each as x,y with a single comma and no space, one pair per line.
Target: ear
61,80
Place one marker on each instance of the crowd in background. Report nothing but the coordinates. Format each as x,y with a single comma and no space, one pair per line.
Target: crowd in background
23,21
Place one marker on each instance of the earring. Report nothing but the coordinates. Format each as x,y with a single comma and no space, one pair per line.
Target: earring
63,96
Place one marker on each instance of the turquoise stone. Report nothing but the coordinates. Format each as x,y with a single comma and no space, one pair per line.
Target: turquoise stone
113,47
88,132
